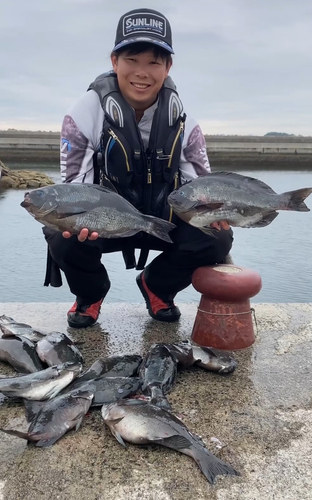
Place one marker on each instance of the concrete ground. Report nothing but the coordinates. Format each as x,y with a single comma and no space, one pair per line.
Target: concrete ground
262,414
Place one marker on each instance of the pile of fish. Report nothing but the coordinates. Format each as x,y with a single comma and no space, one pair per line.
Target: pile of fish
130,389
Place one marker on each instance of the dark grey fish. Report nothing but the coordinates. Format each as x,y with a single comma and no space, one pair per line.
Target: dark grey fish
55,418
56,348
182,352
158,373
139,422
21,354
6,319
74,206
241,201
20,330
214,360
111,389
112,366
45,384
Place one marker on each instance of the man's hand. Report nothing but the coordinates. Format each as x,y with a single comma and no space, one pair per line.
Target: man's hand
222,224
83,235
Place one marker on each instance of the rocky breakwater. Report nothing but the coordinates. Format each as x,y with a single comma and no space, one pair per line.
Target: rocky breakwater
22,179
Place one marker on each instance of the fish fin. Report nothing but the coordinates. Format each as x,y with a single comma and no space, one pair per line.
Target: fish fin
118,437
159,227
79,422
212,466
161,402
158,398
14,432
265,220
32,408
244,179
176,442
294,200
45,443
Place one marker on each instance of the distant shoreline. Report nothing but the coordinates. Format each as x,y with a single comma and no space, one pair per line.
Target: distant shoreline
20,148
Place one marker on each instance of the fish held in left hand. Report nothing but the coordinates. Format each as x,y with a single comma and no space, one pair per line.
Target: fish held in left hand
240,200
74,206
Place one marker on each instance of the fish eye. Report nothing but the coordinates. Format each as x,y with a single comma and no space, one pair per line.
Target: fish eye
40,193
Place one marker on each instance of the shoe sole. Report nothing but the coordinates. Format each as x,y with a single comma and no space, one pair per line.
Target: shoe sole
74,324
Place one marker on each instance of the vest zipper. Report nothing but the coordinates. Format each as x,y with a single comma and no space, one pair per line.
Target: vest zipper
148,189
175,142
114,136
176,177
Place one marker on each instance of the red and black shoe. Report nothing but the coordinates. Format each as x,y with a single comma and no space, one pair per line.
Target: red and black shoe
82,316
157,308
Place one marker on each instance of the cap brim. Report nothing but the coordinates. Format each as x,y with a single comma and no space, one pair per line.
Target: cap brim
146,39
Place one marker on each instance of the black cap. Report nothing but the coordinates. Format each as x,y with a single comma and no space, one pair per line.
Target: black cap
143,25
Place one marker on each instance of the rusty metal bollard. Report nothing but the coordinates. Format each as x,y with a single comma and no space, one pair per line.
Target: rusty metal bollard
224,316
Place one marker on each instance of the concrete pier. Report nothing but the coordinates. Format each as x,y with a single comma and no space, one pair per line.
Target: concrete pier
235,150
261,414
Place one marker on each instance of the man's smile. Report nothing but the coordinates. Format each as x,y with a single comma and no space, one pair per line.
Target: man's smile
140,85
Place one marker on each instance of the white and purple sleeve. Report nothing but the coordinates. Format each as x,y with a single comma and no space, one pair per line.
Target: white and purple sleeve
194,159
80,139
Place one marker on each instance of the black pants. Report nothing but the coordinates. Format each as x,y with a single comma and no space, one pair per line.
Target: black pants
170,272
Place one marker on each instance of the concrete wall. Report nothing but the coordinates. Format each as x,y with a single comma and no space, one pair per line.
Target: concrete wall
44,146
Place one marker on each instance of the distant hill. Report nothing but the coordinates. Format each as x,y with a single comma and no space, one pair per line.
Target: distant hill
280,134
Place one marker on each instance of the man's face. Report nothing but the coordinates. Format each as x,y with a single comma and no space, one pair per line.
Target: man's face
140,77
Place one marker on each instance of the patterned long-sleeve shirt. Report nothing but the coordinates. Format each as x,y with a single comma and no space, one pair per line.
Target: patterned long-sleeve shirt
81,134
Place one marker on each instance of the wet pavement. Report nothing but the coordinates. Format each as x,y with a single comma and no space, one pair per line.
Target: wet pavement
262,414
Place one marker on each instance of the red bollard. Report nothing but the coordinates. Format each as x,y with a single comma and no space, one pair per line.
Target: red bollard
224,316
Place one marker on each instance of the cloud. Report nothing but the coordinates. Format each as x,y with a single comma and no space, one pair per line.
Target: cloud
238,64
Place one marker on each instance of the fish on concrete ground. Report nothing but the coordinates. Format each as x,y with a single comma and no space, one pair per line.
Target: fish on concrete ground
45,384
56,417
214,360
111,389
182,352
139,422
158,373
21,330
74,206
112,366
209,358
20,353
227,196
56,348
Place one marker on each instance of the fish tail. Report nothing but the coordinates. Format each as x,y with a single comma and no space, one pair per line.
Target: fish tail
294,200
13,432
159,399
212,466
159,228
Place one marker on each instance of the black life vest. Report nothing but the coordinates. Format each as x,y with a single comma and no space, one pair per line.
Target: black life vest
143,177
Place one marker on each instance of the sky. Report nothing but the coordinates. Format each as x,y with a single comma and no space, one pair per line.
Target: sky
240,66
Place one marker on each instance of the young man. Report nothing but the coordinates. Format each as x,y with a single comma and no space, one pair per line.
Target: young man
133,116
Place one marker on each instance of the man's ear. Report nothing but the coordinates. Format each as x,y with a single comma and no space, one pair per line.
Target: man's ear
114,60
168,68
